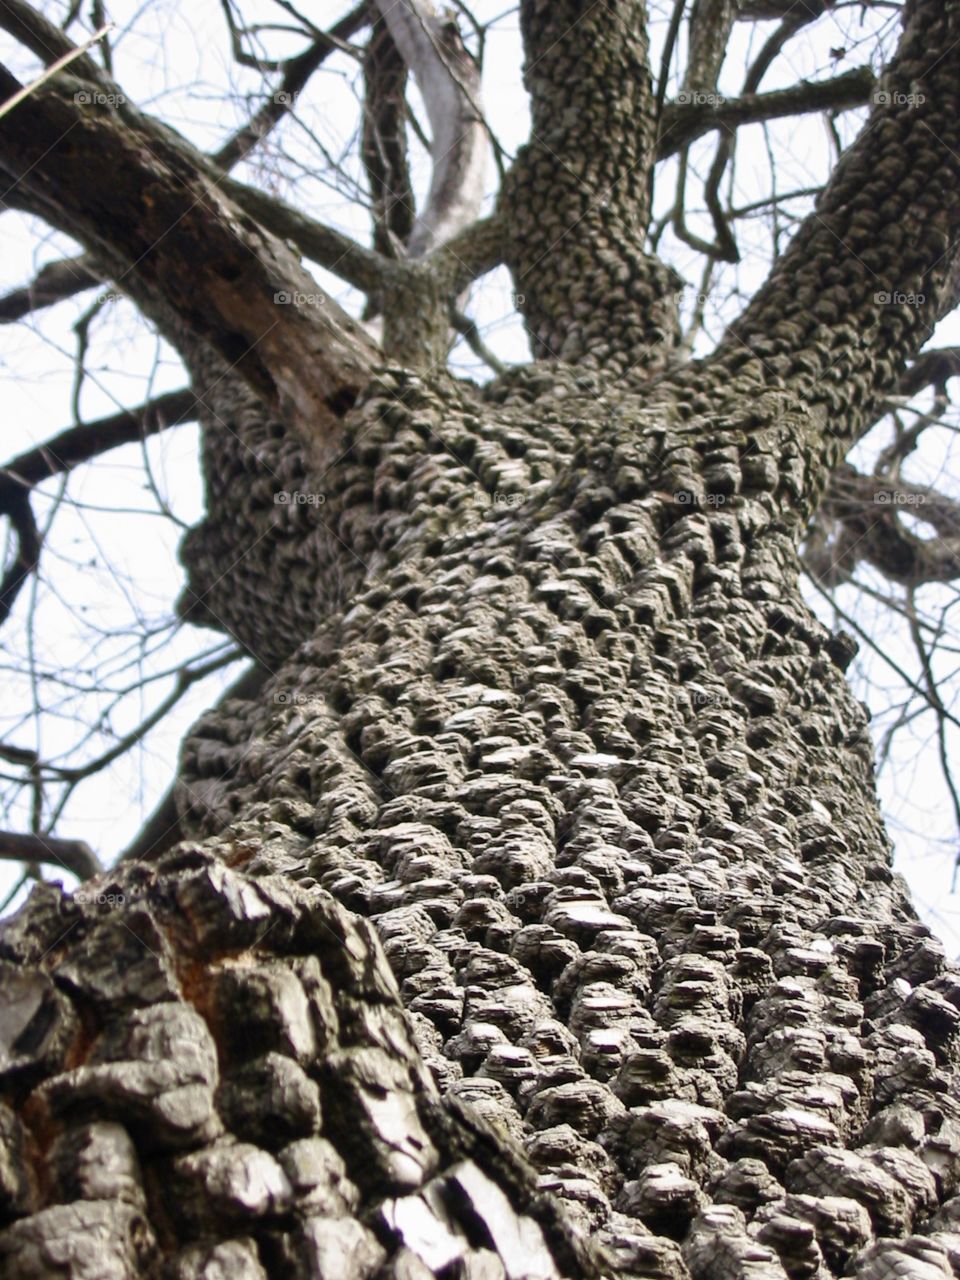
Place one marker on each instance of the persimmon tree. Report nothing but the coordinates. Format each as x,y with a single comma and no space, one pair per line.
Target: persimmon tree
526,909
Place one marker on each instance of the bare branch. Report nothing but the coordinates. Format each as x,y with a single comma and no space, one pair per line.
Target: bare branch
711,22
475,251
63,61
383,146
45,39
53,283
140,197
449,81
88,440
869,511
685,121
17,508
853,299
360,267
296,73
930,368
75,856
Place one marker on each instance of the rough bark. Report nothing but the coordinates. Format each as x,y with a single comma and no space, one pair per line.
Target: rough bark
576,202
536,917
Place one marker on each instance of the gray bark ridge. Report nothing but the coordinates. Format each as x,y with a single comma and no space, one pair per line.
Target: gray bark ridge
584,757
557,832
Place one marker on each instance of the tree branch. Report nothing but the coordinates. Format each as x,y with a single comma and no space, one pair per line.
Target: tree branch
874,267
685,121
87,440
44,39
138,195
383,146
363,268
449,81
869,511
930,368
576,203
53,283
295,76
75,856
17,508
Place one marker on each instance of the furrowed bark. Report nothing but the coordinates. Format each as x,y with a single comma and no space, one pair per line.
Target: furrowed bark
874,267
589,763
575,205
249,1039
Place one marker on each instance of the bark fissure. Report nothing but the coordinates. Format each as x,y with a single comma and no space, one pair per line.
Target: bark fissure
533,916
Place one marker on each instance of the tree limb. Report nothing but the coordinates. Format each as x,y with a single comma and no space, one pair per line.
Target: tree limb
45,39
75,856
135,193
17,508
54,282
295,76
87,440
930,368
872,268
363,268
685,121
449,82
383,146
868,513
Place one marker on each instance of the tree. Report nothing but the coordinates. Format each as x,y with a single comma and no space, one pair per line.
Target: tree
543,838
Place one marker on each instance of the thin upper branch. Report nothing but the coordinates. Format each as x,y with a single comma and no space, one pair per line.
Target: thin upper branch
296,73
383,144
685,121
449,81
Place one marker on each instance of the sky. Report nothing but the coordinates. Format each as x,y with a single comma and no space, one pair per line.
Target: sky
92,643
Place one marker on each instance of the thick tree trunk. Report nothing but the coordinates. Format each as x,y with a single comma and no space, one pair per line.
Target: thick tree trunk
550,846
579,752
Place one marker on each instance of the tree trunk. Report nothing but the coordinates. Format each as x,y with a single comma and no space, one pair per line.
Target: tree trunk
582,756
536,917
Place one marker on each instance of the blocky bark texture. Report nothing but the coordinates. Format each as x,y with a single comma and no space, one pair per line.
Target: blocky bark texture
536,918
